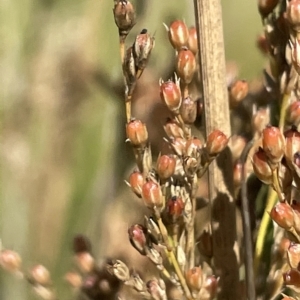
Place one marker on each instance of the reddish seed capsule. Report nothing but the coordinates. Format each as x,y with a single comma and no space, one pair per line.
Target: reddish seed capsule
193,40
152,195
293,14
260,119
188,110
216,142
170,94
178,34
194,278
237,92
293,113
265,7
124,16
174,208
283,215
261,167
138,238
292,277
40,275
166,166
137,133
186,65
293,255
273,144
10,260
136,181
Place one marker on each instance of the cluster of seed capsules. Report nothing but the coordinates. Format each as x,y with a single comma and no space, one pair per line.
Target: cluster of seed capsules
168,187
276,163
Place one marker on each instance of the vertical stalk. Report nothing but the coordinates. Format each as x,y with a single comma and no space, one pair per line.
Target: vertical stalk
208,15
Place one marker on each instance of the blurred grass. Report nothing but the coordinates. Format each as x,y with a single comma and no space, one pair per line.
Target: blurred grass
62,118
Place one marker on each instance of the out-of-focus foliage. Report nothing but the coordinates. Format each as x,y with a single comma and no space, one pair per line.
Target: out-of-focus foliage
62,137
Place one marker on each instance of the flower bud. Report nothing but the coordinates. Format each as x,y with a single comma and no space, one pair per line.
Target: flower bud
136,181
293,255
237,92
152,195
142,48
85,261
165,166
137,133
74,279
296,55
175,208
260,119
193,145
265,7
194,278
188,110
273,144
283,215
124,16
293,14
138,238
186,65
292,277
293,113
216,142
261,167
40,275
170,94
193,40
10,260
178,34
172,129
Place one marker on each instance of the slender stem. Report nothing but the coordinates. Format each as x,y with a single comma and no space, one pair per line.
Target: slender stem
283,109
250,285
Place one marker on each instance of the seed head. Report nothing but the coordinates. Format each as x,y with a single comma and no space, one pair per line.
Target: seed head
137,133
216,142
283,215
165,166
178,34
151,194
136,181
185,65
170,94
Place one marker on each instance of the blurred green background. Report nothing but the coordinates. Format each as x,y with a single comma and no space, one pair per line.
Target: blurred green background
62,134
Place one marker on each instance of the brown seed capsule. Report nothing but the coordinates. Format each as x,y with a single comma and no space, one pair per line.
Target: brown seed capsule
237,92
283,215
261,167
273,144
151,194
293,255
85,261
129,70
292,277
40,275
10,260
194,278
124,16
136,181
170,94
293,113
185,65
174,208
193,40
172,129
260,119
188,110
292,145
142,48
293,14
165,166
138,238
137,133
178,34
265,7
216,142
74,279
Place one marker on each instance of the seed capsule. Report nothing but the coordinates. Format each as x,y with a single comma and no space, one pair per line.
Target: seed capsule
170,94
292,277
137,133
293,113
237,92
283,215
152,195
124,15
138,238
178,34
166,166
193,145
293,255
10,260
172,129
260,119
194,278
261,167
293,14
216,142
136,181
188,110
292,145
174,208
185,65
273,144
193,40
